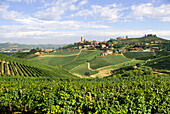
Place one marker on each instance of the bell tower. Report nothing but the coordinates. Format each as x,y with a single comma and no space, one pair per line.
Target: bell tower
82,39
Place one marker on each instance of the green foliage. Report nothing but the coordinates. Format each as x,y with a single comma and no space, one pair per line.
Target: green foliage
23,67
53,61
135,94
160,63
107,60
82,58
139,55
65,52
82,69
87,73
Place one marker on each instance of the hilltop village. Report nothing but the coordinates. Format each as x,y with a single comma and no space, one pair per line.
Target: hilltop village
120,45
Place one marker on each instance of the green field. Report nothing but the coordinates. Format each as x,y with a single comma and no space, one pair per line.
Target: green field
19,67
139,55
130,63
82,58
108,60
54,61
64,52
82,69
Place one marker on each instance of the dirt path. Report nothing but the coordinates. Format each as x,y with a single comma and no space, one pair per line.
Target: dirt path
102,73
89,67
73,59
78,75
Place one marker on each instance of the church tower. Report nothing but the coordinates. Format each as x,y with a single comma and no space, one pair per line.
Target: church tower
82,39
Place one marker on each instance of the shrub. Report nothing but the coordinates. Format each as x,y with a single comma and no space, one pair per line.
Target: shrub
87,73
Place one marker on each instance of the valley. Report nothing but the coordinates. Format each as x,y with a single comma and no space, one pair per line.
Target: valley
115,76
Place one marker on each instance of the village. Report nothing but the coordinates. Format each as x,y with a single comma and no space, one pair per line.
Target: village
118,46
112,46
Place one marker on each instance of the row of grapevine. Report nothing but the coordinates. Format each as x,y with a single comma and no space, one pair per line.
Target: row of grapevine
16,69
145,94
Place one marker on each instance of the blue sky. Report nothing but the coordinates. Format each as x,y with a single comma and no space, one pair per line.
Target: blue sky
65,21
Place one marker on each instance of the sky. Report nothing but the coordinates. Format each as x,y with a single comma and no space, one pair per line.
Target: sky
65,21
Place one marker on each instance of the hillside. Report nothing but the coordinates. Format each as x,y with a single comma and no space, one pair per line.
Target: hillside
10,45
15,66
108,60
160,63
146,39
139,55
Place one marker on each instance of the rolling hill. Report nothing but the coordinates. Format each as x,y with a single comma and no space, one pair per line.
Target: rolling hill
146,39
20,67
108,60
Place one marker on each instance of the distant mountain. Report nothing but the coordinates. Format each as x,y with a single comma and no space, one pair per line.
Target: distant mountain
11,45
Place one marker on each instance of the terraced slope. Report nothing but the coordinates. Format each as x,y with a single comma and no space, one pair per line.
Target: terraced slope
20,67
160,63
139,55
65,52
108,60
84,56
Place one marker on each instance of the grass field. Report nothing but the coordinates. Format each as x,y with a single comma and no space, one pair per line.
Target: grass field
108,60
83,68
65,52
53,61
82,58
139,55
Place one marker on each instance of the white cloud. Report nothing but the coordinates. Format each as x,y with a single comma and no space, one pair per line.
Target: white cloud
110,12
148,10
8,15
56,9
27,1
83,2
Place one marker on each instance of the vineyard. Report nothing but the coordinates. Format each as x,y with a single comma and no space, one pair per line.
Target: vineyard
139,55
134,94
160,63
16,69
108,60
11,66
65,52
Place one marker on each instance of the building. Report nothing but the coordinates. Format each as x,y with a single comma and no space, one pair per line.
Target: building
155,48
103,46
109,52
119,38
120,50
103,53
80,47
47,50
147,44
82,39
158,41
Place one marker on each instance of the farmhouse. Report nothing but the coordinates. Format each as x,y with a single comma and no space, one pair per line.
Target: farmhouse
103,46
120,50
74,47
80,47
158,41
147,44
155,48
103,53
109,52
47,50
118,38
